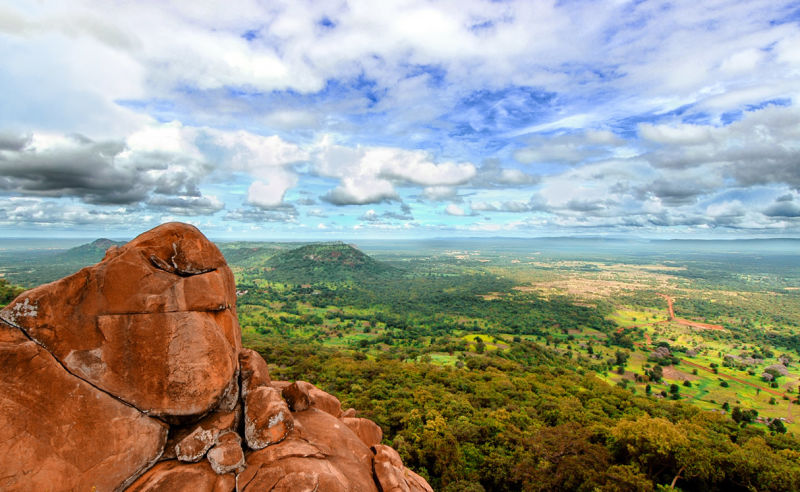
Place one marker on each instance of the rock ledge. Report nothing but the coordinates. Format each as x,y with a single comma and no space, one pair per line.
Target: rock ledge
130,374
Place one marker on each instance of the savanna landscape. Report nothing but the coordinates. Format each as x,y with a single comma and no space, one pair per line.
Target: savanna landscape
534,364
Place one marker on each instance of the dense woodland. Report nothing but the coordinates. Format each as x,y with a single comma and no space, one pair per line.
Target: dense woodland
527,421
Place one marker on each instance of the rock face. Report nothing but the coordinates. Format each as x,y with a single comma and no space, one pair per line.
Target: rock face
130,374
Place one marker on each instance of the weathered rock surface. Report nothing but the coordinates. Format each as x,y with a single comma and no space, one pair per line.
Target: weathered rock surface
320,450
368,431
154,323
254,371
173,476
301,395
130,373
192,445
227,455
392,476
58,429
267,419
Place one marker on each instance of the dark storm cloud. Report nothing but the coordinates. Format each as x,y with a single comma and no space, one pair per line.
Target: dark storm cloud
784,209
760,149
100,173
10,141
340,196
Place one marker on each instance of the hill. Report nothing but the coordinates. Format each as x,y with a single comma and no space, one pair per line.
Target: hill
89,253
325,262
248,254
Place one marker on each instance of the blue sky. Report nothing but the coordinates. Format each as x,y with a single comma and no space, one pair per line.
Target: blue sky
323,120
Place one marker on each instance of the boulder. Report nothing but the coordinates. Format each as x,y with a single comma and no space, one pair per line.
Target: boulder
253,369
301,395
154,323
392,476
227,455
368,431
320,453
57,429
173,476
192,445
267,419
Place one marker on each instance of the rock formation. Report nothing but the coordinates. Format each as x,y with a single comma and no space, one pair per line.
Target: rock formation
130,374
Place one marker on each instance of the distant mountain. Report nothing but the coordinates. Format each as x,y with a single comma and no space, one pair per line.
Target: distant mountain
246,254
89,253
325,262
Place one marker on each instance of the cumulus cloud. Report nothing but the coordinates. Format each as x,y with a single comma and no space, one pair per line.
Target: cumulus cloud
253,153
269,194
458,211
761,148
109,172
368,174
35,211
784,206
618,128
360,191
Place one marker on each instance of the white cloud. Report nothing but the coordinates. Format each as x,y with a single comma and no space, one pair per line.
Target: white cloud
675,134
439,193
361,190
254,154
366,173
453,209
269,193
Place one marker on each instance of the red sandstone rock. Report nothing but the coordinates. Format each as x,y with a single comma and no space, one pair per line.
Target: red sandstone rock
320,453
280,385
192,445
296,395
349,413
227,455
301,395
368,431
153,329
267,419
254,370
154,323
392,476
172,476
57,431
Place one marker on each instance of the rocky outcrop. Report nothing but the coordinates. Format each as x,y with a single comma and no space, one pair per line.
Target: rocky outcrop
130,375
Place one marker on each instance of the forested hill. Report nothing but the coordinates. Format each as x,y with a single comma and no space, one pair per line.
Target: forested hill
88,253
325,262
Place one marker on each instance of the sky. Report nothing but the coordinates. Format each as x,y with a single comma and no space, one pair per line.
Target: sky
401,119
